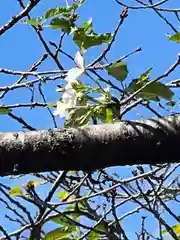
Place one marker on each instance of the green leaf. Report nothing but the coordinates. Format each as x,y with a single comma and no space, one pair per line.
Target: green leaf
62,220
62,195
101,112
61,23
109,115
56,11
154,91
86,41
77,4
95,235
15,191
118,70
176,229
78,117
85,37
175,37
33,21
60,233
87,26
145,76
57,219
82,88
65,11
51,104
4,110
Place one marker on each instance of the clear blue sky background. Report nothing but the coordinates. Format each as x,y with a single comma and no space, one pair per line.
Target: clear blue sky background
20,48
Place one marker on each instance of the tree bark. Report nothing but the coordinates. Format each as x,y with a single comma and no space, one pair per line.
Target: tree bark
122,143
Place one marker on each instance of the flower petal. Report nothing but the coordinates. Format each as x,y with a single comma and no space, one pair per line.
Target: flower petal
61,109
79,60
73,74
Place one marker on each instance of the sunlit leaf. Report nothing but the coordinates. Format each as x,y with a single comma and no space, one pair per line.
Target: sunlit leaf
175,37
59,233
95,235
118,70
52,104
16,191
176,229
145,75
100,112
33,21
109,115
61,23
56,11
154,91
85,37
63,220
77,4
62,195
4,110
87,41
78,117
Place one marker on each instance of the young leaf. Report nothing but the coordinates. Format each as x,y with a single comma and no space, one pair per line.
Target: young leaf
176,229
145,76
77,4
78,117
33,21
63,220
152,91
15,191
109,115
118,70
53,104
61,23
4,110
175,37
60,233
95,235
85,37
56,11
62,195
86,41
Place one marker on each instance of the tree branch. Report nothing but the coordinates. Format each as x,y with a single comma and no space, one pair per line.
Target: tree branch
89,148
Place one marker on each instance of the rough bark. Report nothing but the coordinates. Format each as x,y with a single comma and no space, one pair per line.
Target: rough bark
122,143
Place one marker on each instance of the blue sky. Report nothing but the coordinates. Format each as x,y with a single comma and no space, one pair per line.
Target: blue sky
20,48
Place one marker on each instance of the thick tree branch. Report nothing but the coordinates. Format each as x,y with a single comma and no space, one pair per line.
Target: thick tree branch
89,148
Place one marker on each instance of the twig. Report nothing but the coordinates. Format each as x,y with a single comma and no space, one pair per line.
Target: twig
123,15
120,182
18,17
166,74
20,120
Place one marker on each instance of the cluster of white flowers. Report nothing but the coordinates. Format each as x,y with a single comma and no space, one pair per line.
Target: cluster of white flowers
69,97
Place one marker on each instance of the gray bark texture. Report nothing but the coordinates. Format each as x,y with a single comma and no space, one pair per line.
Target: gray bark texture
122,143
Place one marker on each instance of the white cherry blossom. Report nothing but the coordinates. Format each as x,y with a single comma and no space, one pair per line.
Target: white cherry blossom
69,97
